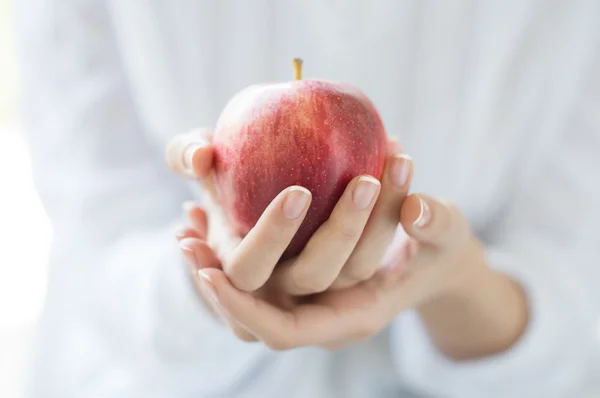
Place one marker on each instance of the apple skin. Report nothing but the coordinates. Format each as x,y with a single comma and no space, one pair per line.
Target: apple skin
313,133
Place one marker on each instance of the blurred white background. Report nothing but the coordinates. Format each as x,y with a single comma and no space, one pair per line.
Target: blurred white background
24,230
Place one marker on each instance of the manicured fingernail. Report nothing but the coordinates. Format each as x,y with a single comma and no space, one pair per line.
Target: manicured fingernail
424,215
364,192
295,202
188,205
188,253
189,153
401,170
208,286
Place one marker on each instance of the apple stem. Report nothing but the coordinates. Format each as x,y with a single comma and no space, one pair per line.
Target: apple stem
297,62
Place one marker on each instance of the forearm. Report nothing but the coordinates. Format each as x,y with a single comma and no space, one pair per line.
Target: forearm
484,315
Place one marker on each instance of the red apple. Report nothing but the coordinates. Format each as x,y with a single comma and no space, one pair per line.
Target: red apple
313,133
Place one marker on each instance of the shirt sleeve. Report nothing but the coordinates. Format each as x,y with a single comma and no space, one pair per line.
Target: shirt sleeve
113,205
550,244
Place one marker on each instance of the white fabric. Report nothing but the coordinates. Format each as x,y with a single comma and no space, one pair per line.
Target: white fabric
498,102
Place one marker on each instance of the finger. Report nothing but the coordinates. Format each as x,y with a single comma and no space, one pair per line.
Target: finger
254,259
433,222
190,154
197,217
397,269
304,325
320,262
198,255
187,232
382,225
394,147
239,330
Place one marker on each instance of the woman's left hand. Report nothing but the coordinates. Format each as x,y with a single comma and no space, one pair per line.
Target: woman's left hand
438,257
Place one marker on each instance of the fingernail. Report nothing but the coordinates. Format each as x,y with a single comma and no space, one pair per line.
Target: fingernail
295,202
424,215
188,253
189,153
188,205
208,286
400,170
364,192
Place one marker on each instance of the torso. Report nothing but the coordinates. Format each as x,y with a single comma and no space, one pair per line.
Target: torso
460,84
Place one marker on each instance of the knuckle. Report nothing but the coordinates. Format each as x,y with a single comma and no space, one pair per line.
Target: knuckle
346,231
234,271
451,207
454,224
238,274
275,231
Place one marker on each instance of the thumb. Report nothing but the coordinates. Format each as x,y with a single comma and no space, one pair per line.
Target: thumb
433,222
191,154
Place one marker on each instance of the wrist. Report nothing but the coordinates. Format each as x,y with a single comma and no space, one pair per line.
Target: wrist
484,313
471,277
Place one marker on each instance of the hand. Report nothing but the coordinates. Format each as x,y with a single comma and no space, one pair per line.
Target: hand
440,262
357,234
438,257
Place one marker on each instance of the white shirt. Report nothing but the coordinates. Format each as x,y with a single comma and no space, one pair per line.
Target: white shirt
498,102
